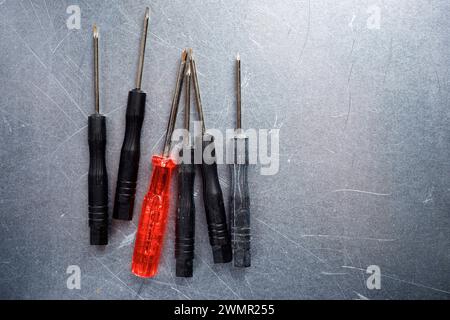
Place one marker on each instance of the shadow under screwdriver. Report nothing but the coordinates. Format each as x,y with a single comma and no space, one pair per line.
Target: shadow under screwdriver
131,149
97,176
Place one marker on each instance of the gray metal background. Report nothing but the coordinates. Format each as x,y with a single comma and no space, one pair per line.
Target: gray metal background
364,147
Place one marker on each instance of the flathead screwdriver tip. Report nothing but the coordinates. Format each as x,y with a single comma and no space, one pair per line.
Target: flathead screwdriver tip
238,57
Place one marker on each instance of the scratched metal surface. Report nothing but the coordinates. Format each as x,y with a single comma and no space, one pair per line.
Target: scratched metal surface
364,150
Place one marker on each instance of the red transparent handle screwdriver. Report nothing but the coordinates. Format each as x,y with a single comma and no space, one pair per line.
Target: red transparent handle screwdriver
155,208
152,224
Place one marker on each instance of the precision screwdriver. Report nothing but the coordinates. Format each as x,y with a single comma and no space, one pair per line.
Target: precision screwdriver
185,219
153,220
239,196
131,149
219,237
97,177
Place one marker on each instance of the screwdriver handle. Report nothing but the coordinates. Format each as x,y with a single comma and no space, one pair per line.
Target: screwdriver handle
216,219
240,204
153,220
98,181
185,220
129,157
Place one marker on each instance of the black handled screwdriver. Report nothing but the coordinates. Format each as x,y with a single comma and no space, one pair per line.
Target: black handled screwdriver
185,220
97,177
131,149
219,236
239,196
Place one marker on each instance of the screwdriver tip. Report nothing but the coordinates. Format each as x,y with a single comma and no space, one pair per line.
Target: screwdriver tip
147,13
238,57
184,55
95,31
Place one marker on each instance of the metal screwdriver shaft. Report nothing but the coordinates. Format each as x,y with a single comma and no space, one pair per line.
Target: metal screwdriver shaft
216,219
198,97
239,196
187,102
140,69
175,103
238,94
131,148
97,176
96,70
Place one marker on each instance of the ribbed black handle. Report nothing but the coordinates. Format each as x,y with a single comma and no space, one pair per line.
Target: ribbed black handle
240,204
185,220
129,157
98,181
216,219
